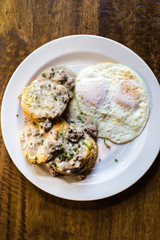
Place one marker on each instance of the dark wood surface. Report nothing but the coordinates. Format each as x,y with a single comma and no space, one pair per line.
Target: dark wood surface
29,213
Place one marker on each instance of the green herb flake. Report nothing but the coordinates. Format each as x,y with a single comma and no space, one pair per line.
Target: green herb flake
55,164
36,98
82,98
86,130
84,143
55,98
79,145
61,148
42,142
75,149
52,93
71,154
30,143
17,115
104,140
41,126
35,160
43,75
115,160
80,119
61,134
99,160
81,113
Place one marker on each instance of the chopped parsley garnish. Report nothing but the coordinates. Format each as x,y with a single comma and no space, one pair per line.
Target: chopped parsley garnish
82,98
75,149
51,148
41,126
36,98
86,130
61,148
84,143
61,134
38,134
71,154
69,158
17,115
30,143
49,85
63,156
52,93
42,142
80,119
47,106
46,114
52,69
81,113
79,145
55,164
43,75
115,160
72,121
104,140
74,109
55,98
35,160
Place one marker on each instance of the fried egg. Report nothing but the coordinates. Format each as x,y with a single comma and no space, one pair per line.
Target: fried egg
116,97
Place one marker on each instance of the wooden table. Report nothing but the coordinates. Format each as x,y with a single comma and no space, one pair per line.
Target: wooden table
29,213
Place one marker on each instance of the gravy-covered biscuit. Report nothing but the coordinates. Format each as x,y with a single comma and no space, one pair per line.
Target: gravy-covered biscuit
69,149
49,94
79,150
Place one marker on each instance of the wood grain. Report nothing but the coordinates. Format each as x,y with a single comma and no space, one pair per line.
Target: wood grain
25,211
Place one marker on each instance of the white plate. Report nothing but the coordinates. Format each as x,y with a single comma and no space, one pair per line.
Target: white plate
108,177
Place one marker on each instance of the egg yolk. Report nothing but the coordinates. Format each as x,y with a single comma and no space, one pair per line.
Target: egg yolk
127,94
94,93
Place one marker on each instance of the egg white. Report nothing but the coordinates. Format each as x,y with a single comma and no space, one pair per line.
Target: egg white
116,97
